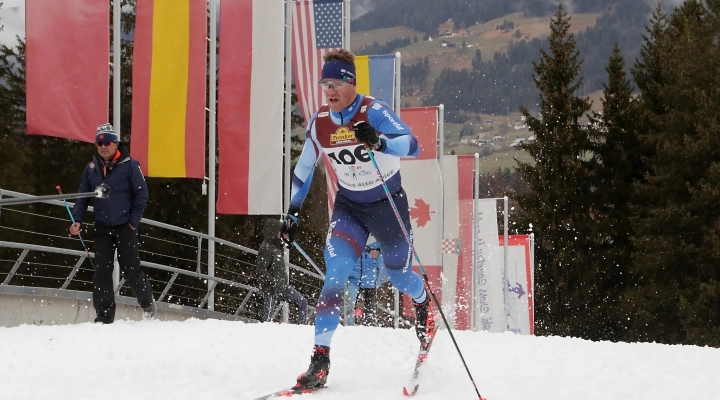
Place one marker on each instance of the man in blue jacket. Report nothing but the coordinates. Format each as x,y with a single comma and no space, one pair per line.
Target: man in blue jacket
367,276
117,219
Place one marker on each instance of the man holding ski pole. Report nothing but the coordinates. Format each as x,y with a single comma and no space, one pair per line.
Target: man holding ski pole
343,129
117,219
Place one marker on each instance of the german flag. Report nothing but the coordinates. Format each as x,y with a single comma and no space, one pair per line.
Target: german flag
169,88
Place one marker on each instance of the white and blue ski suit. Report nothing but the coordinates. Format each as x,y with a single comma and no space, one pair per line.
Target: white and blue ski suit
361,205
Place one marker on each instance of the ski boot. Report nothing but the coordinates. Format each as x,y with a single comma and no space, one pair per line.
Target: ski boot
425,326
317,373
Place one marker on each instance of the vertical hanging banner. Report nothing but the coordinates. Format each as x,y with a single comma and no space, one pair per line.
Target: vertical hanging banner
376,77
317,29
67,74
250,107
457,240
490,304
169,88
423,186
520,310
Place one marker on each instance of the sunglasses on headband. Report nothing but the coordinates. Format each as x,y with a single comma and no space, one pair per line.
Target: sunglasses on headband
368,249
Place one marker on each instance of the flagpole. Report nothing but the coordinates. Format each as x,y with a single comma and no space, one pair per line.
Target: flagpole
116,67
398,93
212,150
116,102
441,157
288,129
506,253
288,100
475,245
346,24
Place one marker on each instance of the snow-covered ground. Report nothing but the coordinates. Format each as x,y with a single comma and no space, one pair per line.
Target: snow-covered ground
234,360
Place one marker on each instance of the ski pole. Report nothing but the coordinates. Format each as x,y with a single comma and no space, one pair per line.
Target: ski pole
102,191
87,251
307,257
422,269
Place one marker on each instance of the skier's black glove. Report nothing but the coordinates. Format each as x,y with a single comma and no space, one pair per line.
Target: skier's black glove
290,225
365,133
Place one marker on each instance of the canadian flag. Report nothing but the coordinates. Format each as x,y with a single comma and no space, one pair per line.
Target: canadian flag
423,186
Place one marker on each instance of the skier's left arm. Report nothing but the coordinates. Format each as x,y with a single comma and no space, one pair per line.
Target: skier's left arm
398,138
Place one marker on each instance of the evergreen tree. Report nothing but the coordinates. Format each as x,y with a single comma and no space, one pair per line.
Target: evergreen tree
617,165
477,60
558,202
676,265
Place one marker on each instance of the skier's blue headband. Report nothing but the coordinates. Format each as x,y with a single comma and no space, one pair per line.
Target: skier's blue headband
336,69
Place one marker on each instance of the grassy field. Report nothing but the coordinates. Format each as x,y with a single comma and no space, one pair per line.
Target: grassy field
499,160
503,160
358,40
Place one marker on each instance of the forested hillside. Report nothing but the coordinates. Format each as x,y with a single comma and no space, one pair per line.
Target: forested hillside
427,15
500,82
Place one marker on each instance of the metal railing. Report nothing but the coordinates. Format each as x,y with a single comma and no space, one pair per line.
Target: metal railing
175,258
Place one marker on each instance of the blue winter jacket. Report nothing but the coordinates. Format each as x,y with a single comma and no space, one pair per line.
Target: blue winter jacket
128,191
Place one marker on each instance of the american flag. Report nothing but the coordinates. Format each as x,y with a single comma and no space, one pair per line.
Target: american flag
317,29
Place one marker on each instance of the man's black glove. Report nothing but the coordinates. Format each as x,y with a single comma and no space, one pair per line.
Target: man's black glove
290,225
365,133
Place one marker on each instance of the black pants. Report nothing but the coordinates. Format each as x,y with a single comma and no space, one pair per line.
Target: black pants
125,240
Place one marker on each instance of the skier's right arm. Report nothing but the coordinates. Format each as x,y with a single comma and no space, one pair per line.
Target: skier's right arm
305,168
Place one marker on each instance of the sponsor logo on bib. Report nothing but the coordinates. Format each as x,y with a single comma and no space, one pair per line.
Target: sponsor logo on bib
341,136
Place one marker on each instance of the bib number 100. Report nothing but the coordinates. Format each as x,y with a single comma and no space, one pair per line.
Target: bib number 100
348,157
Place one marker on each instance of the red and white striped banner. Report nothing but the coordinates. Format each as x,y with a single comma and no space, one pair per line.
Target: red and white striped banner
458,222
250,108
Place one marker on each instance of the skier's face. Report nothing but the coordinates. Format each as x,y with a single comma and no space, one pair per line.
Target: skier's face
374,254
339,94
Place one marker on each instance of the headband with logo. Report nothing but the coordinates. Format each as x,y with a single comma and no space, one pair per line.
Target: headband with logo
336,69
